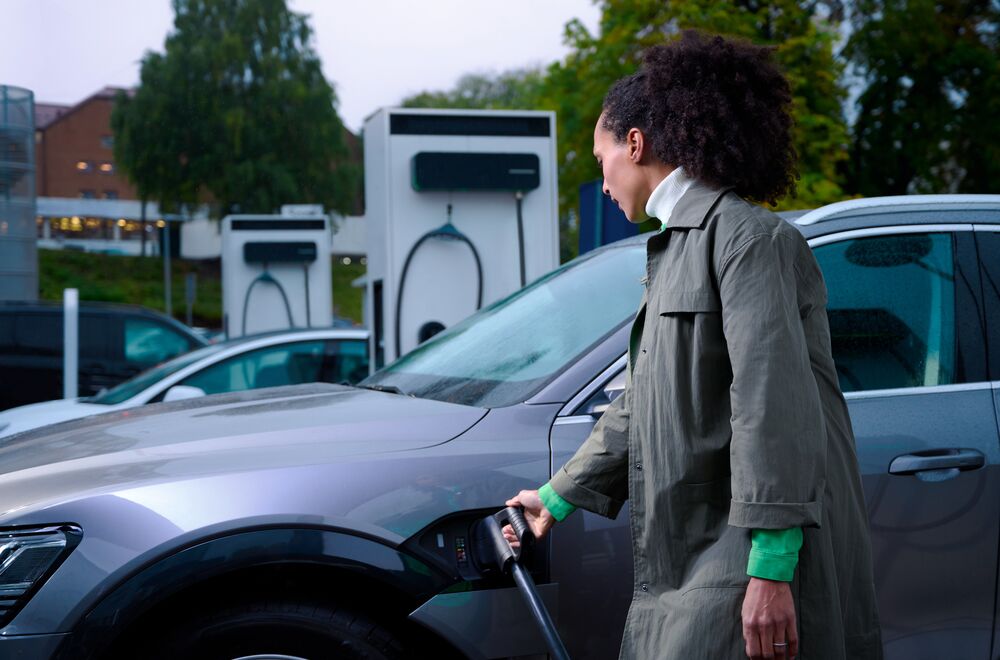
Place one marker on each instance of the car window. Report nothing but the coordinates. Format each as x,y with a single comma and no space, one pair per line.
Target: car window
505,353
892,310
989,254
129,388
97,335
346,360
39,334
287,364
148,342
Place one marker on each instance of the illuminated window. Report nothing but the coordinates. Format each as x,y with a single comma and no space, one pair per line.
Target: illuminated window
84,165
107,168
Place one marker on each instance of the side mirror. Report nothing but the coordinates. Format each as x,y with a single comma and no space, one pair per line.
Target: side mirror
181,392
611,391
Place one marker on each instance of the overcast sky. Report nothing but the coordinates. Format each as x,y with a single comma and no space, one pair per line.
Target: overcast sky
375,52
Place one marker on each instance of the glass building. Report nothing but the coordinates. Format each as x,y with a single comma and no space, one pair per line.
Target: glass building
18,230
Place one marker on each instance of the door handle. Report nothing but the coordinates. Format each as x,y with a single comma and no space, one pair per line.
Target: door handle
937,459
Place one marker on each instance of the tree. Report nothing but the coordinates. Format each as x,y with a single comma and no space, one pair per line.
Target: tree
514,89
927,115
803,33
235,110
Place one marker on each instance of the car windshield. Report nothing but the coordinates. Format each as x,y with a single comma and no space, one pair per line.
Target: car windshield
132,386
506,352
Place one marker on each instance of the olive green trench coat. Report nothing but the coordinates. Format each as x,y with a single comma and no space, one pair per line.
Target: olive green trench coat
732,419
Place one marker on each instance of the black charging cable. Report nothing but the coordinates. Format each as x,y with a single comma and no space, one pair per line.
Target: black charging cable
519,197
447,232
305,271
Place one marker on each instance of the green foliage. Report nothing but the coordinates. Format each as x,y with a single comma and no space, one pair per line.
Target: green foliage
927,118
514,89
236,110
804,41
99,277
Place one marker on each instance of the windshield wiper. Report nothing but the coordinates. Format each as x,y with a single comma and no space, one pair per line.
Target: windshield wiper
391,389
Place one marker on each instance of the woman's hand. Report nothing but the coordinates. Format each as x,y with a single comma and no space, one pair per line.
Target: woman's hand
769,627
537,516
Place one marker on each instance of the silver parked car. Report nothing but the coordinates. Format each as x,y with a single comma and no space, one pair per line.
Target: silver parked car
321,520
329,355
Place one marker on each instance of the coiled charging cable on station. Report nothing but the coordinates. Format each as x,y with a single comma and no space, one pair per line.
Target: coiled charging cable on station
447,232
267,278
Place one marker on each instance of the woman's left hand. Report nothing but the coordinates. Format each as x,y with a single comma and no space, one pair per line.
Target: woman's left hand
769,625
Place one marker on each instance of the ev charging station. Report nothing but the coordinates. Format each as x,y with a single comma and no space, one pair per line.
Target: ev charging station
275,273
461,210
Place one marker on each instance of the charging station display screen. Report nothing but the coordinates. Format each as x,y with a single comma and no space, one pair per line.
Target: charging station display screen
505,353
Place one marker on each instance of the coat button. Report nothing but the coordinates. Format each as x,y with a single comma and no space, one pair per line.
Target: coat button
644,351
644,586
638,466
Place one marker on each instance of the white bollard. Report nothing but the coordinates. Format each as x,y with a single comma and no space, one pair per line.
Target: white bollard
71,341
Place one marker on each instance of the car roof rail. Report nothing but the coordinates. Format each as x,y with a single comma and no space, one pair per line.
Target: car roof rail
898,202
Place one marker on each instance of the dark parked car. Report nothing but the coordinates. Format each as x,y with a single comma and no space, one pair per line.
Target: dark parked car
298,520
116,342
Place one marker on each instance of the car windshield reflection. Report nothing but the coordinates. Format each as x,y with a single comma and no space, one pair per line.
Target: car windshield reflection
508,351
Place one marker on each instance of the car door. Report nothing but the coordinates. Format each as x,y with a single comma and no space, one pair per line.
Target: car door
591,555
31,344
907,335
99,368
988,244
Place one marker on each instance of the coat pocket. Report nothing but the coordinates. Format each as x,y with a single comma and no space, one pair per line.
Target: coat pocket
671,301
706,512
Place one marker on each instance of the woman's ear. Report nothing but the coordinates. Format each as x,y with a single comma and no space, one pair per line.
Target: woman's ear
635,142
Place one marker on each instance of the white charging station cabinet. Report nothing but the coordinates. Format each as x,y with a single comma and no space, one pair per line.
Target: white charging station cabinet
460,207
275,273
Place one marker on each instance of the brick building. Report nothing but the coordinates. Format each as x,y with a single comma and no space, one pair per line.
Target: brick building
73,150
85,202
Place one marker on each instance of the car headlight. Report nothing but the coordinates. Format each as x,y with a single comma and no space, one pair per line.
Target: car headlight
28,556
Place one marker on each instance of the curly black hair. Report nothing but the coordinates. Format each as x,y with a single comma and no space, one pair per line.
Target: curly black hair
720,108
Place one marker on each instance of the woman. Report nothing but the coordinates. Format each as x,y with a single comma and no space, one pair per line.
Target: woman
732,440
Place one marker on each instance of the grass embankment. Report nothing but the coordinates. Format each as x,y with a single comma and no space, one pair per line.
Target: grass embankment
139,281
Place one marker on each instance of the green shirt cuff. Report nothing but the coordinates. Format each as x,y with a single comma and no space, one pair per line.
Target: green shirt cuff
774,553
557,506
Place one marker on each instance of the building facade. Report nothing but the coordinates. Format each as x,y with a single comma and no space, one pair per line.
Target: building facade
73,146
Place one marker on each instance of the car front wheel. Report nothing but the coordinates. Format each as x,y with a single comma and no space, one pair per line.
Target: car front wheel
276,629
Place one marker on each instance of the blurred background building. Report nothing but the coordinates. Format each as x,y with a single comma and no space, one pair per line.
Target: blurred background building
85,203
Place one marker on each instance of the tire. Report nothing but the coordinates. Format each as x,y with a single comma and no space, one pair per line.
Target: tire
276,628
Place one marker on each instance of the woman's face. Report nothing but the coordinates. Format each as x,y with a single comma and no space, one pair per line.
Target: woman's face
624,181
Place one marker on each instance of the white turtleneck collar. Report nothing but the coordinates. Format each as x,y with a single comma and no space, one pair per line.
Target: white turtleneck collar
666,195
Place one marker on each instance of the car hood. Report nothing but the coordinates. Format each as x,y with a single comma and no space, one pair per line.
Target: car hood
261,429
24,418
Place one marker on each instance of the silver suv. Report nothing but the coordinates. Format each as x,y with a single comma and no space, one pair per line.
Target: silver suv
320,520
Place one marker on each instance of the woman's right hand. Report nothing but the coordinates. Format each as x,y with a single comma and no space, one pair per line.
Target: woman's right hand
535,514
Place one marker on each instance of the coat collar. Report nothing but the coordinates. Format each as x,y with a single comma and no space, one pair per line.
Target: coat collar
694,206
